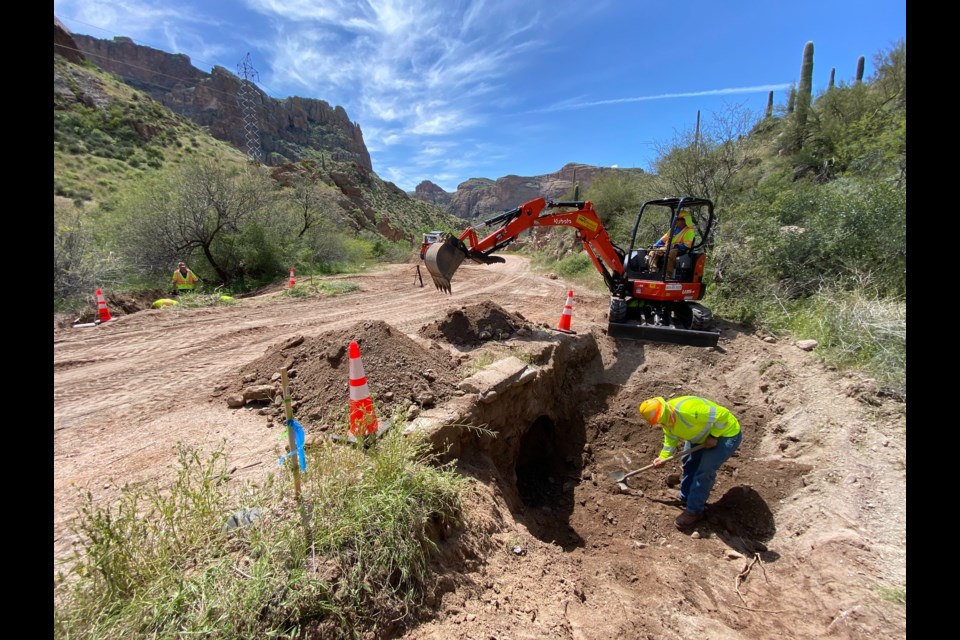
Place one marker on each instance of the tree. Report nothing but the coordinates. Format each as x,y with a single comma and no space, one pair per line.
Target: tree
707,169
195,209
617,198
306,200
79,268
890,78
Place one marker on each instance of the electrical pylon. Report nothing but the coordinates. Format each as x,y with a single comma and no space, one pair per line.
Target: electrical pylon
246,98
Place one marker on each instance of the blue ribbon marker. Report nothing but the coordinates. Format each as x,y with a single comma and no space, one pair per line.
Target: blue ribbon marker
300,438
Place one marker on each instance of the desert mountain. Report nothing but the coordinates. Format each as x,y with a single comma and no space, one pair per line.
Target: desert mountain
482,196
291,129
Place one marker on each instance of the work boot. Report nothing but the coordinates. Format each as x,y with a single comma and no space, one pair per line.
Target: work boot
687,519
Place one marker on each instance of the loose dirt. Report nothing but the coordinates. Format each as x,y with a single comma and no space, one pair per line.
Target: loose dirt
805,534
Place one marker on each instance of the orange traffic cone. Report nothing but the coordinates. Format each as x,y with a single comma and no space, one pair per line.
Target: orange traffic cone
102,310
564,324
363,419
292,281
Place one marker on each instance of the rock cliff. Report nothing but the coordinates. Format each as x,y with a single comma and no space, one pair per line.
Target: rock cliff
291,129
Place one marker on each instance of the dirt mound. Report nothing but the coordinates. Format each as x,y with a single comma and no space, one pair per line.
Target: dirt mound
401,374
118,304
476,323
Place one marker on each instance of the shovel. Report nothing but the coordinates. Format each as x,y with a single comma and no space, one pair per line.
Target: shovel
620,476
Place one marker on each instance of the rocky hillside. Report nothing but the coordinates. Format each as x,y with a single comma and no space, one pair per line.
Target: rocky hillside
291,130
108,133
482,196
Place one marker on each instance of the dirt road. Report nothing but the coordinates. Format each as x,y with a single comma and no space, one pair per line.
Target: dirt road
124,392
807,532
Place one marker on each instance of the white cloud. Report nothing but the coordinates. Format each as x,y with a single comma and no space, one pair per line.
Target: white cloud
568,105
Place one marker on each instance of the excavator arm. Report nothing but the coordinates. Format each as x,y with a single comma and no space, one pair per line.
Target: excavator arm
444,258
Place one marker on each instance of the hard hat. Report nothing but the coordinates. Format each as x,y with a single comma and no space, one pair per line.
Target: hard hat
686,215
651,409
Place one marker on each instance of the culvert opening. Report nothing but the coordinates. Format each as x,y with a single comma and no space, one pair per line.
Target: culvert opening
547,466
541,467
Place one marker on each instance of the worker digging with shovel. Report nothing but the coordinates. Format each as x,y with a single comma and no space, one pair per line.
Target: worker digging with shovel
712,428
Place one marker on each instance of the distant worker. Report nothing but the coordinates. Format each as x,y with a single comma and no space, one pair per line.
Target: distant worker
184,279
683,232
696,421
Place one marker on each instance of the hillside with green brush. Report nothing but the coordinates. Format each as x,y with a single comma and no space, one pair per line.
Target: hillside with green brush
127,176
810,240
107,135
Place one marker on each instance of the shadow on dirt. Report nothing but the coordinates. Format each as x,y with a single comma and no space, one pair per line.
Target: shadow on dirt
744,521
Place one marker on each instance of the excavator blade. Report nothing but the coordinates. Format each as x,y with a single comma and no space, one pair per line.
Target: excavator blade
443,259
671,335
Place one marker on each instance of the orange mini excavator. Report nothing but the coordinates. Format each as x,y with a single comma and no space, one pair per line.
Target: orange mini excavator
646,302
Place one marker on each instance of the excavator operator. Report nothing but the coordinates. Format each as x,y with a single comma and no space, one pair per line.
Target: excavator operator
683,232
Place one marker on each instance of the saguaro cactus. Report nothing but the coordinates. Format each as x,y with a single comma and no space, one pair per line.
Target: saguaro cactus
859,69
769,104
804,92
792,100
833,73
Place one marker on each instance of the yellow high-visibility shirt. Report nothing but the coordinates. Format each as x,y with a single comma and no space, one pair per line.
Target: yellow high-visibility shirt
684,236
697,419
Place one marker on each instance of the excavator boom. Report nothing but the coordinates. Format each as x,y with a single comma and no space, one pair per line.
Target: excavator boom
445,257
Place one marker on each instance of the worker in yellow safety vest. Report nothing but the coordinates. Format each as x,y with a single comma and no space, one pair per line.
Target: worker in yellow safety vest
695,421
683,234
184,279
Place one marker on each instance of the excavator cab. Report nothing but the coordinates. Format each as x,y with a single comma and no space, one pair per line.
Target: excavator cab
429,239
656,299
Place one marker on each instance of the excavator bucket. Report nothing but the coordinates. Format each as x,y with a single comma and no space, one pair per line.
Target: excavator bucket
443,259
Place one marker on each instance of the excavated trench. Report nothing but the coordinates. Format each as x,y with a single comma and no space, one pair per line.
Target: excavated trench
527,431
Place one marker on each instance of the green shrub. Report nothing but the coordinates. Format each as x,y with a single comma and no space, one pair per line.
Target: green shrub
573,265
857,328
161,562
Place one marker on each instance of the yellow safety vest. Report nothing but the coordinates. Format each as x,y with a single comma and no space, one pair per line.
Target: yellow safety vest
184,283
697,419
685,236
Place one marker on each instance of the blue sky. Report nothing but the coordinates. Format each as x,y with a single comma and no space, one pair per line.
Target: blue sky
447,90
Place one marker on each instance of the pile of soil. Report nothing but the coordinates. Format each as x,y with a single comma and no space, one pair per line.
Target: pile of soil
401,374
118,304
476,323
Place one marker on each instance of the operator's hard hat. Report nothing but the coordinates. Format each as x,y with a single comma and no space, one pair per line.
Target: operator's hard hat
651,409
686,216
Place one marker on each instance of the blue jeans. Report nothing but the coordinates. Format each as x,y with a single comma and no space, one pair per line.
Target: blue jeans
700,471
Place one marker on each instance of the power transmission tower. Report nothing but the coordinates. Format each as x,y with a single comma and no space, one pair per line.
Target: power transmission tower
246,99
